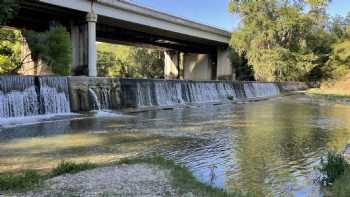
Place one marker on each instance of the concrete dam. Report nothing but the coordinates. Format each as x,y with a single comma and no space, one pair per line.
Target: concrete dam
22,96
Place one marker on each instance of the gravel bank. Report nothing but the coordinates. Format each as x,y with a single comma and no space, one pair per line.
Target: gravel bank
124,180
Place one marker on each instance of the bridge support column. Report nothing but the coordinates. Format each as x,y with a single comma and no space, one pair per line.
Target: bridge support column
225,70
171,64
91,18
79,39
197,67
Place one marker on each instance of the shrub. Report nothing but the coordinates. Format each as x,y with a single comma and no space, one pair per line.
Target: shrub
332,168
66,167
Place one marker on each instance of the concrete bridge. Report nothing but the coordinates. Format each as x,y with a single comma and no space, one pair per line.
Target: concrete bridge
204,48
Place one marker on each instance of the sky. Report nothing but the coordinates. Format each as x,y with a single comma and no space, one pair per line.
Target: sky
215,13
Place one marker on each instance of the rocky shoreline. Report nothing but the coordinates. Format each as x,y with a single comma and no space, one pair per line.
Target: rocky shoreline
121,180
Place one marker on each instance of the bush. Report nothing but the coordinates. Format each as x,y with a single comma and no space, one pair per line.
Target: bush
69,167
332,168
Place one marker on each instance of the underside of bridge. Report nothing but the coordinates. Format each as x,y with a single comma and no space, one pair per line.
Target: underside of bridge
205,57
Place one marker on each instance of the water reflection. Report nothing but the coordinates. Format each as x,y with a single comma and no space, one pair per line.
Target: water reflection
268,147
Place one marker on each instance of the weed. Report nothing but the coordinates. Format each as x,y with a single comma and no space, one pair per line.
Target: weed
66,167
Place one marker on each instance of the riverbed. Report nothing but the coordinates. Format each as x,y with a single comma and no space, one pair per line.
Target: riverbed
268,147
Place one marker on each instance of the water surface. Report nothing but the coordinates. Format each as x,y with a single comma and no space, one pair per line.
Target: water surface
269,147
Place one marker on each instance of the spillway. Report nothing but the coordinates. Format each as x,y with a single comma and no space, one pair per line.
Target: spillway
174,92
22,96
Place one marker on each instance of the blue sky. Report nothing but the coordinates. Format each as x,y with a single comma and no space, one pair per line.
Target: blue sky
214,12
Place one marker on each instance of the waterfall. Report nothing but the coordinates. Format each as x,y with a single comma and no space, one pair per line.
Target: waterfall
255,90
54,96
174,92
100,98
18,97
28,96
94,100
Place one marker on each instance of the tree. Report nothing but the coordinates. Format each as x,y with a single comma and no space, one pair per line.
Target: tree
339,61
10,51
52,47
150,62
8,10
276,36
128,61
244,71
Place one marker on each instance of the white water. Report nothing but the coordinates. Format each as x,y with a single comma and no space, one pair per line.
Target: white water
19,103
20,96
54,97
100,98
165,93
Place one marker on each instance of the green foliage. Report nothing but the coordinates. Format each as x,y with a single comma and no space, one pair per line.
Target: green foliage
335,175
29,179
10,50
332,167
150,62
19,182
8,10
278,38
244,71
339,62
52,47
69,167
127,61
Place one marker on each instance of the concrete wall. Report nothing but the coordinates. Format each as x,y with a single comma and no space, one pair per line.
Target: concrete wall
124,92
225,70
79,91
197,67
29,66
171,64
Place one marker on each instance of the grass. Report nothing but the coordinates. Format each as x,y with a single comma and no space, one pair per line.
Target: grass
30,179
20,182
335,178
70,168
333,95
183,179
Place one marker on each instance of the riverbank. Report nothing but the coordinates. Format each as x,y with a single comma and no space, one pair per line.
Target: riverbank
136,177
330,95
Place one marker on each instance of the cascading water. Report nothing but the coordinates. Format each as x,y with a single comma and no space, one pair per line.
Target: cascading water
94,100
18,97
173,92
100,98
54,97
22,96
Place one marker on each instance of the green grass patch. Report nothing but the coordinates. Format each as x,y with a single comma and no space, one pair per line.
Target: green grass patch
66,167
20,182
183,179
329,95
30,179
